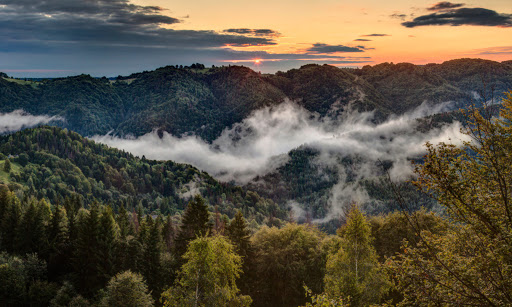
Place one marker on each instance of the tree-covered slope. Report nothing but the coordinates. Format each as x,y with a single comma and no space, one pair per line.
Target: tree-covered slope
55,163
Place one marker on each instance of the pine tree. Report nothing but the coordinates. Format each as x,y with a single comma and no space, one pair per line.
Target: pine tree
10,222
58,253
152,265
124,222
240,236
194,223
169,233
87,259
5,198
30,234
107,243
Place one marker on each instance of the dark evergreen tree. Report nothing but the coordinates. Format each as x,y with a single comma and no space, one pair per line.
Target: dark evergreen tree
152,265
169,233
5,198
87,259
107,241
195,222
10,222
124,222
31,234
58,252
240,236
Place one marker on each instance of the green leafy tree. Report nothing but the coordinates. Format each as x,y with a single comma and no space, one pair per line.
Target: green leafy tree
127,289
390,230
7,166
353,272
208,278
472,263
323,300
285,259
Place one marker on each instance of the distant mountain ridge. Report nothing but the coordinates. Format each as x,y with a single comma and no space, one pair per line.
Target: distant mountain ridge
204,101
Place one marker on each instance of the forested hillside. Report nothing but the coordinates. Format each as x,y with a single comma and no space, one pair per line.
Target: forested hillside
204,101
82,224
62,254
56,164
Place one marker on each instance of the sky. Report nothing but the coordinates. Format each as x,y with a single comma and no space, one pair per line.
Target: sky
55,38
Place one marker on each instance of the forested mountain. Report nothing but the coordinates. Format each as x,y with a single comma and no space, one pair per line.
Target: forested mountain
82,224
204,101
54,163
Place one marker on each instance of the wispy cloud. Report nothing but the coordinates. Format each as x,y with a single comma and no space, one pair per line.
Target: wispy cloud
376,35
494,50
255,32
444,5
260,143
19,119
325,48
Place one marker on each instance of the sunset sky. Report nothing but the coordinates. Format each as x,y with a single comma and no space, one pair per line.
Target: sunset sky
112,37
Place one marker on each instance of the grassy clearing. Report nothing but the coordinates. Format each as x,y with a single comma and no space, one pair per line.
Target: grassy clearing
4,177
34,84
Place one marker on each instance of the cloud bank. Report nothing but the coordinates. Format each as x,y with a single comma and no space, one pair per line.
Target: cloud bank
462,16
260,143
19,119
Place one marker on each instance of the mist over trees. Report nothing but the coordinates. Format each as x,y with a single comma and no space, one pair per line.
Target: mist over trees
82,224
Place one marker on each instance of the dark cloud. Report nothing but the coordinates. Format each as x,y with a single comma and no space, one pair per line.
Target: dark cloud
54,25
398,16
362,40
364,48
463,16
324,48
256,32
444,5
110,37
376,34
115,11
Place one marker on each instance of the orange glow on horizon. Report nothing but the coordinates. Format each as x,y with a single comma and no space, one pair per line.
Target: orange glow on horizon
371,25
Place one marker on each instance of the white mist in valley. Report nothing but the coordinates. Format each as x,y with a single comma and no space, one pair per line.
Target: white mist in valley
260,144
19,119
